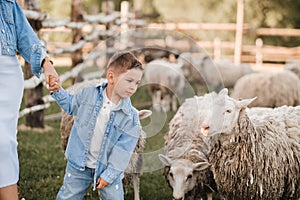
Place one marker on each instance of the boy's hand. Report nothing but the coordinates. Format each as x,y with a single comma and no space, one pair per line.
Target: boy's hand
54,83
101,183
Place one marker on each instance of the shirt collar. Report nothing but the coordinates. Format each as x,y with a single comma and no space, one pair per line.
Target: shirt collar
125,104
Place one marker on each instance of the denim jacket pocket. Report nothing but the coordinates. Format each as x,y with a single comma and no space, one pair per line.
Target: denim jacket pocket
127,131
117,132
84,114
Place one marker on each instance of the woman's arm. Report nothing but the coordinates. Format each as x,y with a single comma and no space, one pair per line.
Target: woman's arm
31,48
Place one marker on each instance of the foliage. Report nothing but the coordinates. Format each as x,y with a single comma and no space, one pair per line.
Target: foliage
56,11
258,13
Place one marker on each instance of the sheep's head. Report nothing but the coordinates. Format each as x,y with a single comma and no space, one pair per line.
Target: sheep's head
181,174
222,113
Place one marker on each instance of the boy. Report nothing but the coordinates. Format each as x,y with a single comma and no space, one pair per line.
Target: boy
105,131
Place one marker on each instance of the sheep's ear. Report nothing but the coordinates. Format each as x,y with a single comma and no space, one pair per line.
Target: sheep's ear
144,114
245,102
223,92
200,166
165,160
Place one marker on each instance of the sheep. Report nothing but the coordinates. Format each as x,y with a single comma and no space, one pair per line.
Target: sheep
199,68
294,67
272,89
182,132
230,72
165,81
284,116
186,154
133,171
251,159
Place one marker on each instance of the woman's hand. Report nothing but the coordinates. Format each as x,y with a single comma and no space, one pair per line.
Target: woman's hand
51,76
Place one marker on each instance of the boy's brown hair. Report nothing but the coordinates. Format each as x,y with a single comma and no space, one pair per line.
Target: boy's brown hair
122,61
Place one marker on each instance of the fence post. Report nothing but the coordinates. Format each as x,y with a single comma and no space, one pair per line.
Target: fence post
217,49
108,7
33,96
239,32
76,16
258,52
124,24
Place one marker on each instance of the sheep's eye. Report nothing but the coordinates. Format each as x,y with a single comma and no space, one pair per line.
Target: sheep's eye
228,111
189,177
171,174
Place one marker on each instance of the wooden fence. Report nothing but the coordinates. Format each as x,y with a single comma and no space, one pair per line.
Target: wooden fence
257,53
96,31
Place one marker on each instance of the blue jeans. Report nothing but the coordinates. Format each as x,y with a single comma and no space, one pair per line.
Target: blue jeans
77,182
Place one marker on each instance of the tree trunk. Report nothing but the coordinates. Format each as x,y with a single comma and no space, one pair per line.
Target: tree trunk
33,96
108,7
76,16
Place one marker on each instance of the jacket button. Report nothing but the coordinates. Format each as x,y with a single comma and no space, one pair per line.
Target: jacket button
3,31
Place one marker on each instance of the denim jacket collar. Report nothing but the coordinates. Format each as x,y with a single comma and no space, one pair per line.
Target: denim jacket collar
125,102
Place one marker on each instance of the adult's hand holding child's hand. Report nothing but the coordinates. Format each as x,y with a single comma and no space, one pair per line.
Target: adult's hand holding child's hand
54,85
51,77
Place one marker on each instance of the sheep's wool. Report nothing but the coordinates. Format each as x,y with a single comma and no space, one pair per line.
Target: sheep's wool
256,164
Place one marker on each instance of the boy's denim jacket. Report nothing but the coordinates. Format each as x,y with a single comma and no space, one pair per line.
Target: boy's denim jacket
120,138
16,34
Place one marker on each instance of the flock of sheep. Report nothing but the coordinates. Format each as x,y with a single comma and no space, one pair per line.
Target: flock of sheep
245,153
242,144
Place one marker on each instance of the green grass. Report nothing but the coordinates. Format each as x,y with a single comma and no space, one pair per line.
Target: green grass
41,164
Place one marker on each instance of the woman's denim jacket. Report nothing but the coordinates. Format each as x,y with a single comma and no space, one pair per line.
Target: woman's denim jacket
16,34
120,137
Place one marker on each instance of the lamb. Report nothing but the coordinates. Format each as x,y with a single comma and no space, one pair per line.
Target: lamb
200,69
186,169
133,171
165,81
251,159
272,89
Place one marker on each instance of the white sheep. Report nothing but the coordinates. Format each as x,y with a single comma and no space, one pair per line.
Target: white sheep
203,71
165,82
272,89
133,171
185,125
251,158
186,151
294,67
230,72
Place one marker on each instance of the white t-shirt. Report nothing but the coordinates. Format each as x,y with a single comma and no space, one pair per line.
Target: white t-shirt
99,130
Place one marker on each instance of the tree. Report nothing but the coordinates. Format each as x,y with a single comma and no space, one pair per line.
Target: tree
76,16
33,96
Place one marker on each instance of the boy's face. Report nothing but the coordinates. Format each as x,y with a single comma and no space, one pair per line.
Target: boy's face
126,83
